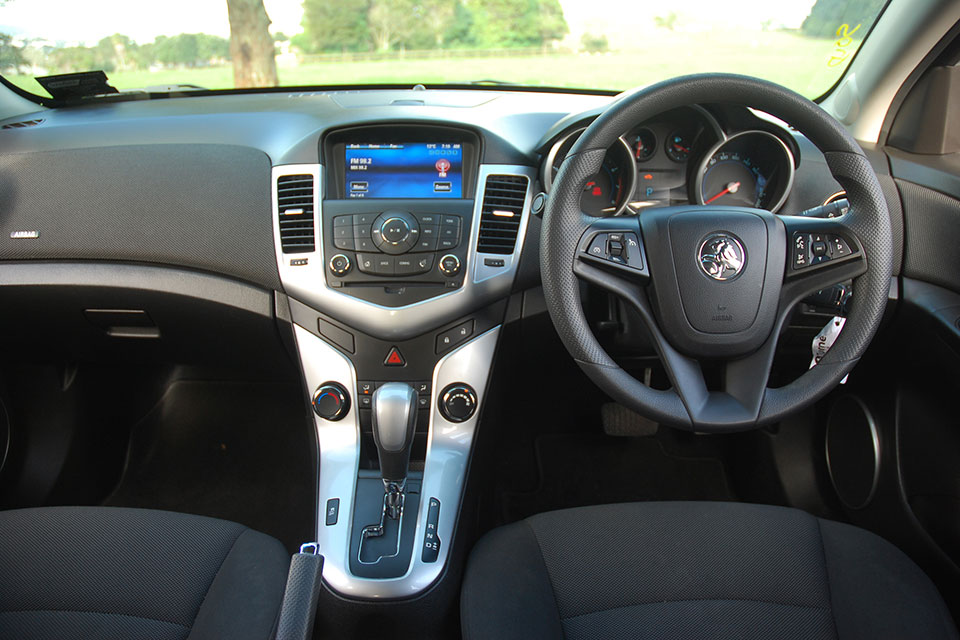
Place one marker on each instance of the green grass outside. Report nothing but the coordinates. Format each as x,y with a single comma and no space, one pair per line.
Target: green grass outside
795,61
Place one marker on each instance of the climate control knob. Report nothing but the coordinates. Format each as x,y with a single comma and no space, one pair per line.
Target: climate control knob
331,401
458,402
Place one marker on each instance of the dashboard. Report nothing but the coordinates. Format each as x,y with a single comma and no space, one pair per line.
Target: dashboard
390,235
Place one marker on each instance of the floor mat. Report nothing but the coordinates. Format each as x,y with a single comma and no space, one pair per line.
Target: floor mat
583,469
237,451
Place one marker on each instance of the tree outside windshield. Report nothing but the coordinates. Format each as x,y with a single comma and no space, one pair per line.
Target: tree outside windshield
586,44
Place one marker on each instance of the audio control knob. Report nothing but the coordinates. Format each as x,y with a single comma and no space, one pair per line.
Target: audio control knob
331,401
449,265
395,232
339,265
458,402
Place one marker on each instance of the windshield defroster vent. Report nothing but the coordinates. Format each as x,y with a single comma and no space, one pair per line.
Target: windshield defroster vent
295,209
500,214
23,124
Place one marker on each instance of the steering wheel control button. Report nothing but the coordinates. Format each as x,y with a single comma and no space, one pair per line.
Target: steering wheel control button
811,249
394,358
451,338
458,402
431,538
449,265
331,401
800,245
333,512
339,265
838,246
619,248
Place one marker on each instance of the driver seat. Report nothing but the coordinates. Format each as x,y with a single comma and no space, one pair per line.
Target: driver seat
694,570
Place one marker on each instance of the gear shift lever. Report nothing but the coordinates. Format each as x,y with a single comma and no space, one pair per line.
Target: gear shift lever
394,423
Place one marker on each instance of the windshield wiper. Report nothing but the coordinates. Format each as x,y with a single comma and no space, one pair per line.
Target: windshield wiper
168,88
495,83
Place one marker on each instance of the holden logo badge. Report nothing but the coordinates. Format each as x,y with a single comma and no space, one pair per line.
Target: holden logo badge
722,256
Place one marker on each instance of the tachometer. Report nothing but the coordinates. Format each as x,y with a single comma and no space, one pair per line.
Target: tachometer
605,193
748,169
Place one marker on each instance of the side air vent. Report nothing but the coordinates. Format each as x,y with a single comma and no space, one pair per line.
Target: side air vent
23,124
295,208
500,214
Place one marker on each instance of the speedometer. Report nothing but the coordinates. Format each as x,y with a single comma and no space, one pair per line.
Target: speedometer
749,169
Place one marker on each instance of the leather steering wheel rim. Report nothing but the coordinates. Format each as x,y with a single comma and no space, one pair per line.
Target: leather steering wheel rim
867,225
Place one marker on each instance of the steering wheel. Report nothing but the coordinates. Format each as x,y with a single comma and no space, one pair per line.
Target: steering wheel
716,283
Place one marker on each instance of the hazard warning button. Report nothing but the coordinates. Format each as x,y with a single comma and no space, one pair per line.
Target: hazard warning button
394,358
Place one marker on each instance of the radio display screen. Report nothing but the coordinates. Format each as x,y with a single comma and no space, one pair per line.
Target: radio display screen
404,170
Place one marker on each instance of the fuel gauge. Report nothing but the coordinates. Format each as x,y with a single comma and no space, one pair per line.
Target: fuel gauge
678,145
643,144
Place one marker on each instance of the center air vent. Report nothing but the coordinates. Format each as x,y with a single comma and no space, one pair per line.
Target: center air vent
295,208
500,214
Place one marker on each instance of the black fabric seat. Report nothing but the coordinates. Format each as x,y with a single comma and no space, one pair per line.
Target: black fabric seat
694,570
99,572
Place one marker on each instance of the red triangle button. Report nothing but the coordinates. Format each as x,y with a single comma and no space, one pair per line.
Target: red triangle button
394,359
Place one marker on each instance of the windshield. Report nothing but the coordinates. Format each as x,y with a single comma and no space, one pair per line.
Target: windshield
585,44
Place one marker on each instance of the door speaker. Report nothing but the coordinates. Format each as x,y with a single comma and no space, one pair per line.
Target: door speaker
853,452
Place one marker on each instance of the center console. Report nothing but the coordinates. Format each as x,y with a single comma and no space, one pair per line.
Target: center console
397,251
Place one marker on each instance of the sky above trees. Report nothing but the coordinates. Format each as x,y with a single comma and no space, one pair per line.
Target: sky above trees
92,20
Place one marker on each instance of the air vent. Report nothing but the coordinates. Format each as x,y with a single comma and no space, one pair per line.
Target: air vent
295,208
500,214
23,124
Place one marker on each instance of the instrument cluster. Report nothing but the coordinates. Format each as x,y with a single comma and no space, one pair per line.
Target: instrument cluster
683,156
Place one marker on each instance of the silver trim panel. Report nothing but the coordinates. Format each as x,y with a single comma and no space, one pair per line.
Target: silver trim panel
444,473
308,283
